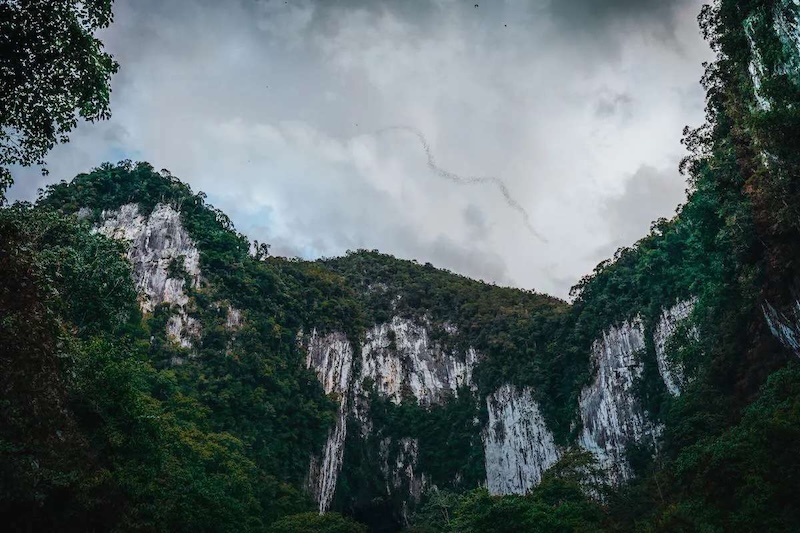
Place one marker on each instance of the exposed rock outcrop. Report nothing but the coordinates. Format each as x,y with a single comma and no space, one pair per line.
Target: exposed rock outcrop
610,412
785,328
400,471
233,319
156,241
331,356
672,372
402,361
517,443
785,17
400,357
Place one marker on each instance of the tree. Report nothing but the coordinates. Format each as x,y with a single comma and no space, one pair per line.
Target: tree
317,523
52,71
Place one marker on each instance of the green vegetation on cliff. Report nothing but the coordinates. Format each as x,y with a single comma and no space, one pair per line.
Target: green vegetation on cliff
220,442
725,463
107,423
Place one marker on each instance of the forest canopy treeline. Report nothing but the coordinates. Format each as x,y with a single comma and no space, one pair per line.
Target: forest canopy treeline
108,423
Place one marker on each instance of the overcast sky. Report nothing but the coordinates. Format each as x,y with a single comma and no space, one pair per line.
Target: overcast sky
275,109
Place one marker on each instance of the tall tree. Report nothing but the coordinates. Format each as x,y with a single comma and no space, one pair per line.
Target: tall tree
52,71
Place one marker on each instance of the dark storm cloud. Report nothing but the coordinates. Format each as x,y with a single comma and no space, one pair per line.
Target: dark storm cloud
421,10
587,14
648,194
270,107
475,220
594,14
616,104
493,181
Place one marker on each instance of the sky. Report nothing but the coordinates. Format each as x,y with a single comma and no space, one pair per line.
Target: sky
298,119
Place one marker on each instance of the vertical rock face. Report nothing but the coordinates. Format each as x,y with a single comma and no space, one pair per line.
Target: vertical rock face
331,356
155,241
399,357
233,319
786,329
785,18
182,329
400,472
787,28
671,371
758,70
611,414
517,444
402,361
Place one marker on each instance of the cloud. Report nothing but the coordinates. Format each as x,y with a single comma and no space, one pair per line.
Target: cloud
476,222
595,14
609,105
649,193
273,109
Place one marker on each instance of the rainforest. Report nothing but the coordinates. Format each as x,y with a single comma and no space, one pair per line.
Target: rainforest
160,371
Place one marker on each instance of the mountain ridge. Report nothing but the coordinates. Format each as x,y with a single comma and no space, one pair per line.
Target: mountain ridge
403,322
185,380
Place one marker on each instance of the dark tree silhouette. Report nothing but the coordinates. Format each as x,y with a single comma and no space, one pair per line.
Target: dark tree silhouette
52,71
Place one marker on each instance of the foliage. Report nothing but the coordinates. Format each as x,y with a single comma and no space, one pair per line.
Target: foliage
745,479
107,423
316,523
52,71
92,436
513,329
560,503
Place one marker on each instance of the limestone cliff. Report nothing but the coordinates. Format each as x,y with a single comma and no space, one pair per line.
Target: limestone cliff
610,412
400,357
517,443
157,244
331,356
400,361
784,18
403,363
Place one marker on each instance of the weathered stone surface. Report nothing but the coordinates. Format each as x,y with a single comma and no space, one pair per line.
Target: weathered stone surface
155,241
518,445
400,356
672,372
610,412
785,17
786,328
331,356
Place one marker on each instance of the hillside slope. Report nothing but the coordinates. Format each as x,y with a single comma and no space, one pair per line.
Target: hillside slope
434,380
164,373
